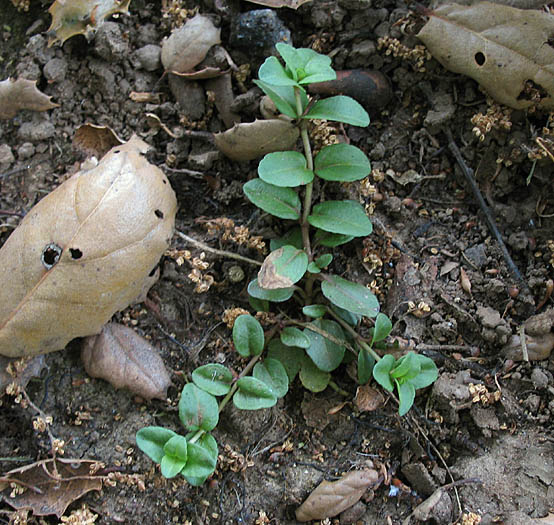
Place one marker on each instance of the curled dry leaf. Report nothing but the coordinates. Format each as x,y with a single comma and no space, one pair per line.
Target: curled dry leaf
465,283
507,50
368,399
81,17
126,360
61,482
84,252
539,338
22,94
188,45
251,140
332,497
95,140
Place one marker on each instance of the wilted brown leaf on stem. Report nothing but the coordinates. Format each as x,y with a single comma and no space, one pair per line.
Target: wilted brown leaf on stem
84,252
126,360
332,497
507,50
19,94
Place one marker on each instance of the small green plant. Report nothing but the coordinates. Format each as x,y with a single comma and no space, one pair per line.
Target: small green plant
194,455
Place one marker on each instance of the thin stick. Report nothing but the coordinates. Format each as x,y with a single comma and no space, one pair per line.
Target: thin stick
222,253
468,173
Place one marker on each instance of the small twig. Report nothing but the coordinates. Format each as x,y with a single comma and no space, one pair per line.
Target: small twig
14,171
468,173
523,340
222,253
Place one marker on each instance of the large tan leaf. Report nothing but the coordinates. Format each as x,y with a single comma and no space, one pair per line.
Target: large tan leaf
503,48
127,360
188,45
22,94
332,497
84,252
252,140
81,17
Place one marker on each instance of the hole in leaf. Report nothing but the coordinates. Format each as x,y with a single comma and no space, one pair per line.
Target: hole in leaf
479,58
75,253
50,255
159,214
151,274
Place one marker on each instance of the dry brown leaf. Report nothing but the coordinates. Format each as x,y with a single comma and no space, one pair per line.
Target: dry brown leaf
223,92
293,4
126,360
447,267
95,140
188,45
22,94
465,283
332,497
81,17
268,278
538,347
503,48
202,74
248,141
47,491
84,252
368,399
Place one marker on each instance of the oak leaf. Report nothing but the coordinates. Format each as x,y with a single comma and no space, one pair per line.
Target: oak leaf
507,50
126,360
19,94
84,252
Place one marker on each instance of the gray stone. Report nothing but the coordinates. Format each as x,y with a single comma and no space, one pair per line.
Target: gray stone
360,52
36,131
353,514
518,241
189,95
443,110
203,161
258,31
55,70
25,151
419,478
488,317
6,156
539,377
477,255
109,42
149,57
484,418
39,50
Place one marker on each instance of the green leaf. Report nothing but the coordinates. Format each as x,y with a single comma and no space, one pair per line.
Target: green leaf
214,378
260,305
290,357
248,335
382,328
346,217
151,441
342,162
324,260
331,240
176,448
273,374
339,109
282,268
381,372
326,354
197,409
314,310
353,297
202,459
285,169
272,72
282,96
171,466
276,296
305,64
428,373
253,394
406,396
312,378
281,202
349,317
317,69
313,268
366,362
292,336
407,367
292,237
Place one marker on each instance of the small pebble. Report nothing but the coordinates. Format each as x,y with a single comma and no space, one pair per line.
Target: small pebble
6,156
539,378
25,151
149,57
55,70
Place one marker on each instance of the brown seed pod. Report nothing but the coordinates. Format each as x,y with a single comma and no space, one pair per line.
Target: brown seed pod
372,89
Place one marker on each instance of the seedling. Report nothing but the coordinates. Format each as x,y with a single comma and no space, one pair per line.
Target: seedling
194,456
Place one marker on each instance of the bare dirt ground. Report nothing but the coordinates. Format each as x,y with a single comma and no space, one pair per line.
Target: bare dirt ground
487,420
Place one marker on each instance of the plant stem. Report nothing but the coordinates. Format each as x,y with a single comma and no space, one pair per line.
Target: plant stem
338,389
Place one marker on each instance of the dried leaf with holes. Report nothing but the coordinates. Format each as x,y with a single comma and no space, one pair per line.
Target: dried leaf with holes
95,140
508,51
19,94
251,140
332,497
61,482
188,45
126,360
81,17
84,252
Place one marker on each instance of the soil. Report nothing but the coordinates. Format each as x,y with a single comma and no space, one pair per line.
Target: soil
488,419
